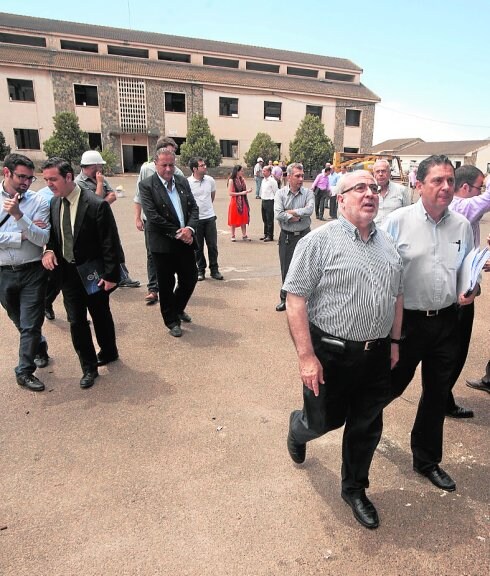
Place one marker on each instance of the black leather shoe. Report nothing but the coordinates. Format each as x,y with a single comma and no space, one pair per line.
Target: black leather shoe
439,478
102,359
30,381
262,237
217,275
200,276
184,317
268,239
479,385
176,331
129,283
362,508
460,412
296,451
88,378
41,359
49,313
281,307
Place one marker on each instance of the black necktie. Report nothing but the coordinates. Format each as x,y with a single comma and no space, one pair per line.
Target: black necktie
67,232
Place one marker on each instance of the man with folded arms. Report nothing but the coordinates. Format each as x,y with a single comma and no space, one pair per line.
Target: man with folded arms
433,242
24,230
344,307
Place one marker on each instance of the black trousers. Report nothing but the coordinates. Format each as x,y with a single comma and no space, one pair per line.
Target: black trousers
357,387
287,245
180,262
465,316
432,341
321,200
268,218
53,288
333,207
206,231
77,302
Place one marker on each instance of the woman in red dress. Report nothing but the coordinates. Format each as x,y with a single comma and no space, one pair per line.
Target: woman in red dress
239,210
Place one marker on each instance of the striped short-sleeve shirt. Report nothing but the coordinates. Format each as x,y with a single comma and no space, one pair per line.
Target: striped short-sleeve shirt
350,285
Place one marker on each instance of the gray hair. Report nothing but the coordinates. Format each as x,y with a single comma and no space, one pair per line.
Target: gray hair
292,166
162,151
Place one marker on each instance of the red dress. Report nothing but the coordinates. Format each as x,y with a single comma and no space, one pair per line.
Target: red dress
238,210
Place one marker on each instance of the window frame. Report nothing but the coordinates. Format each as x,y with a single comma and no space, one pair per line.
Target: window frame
31,131
349,123
84,103
314,113
9,84
231,143
173,111
231,100
270,116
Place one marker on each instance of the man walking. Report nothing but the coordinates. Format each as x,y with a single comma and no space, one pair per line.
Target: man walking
172,219
344,308
258,175
84,232
321,190
203,188
24,230
293,207
433,242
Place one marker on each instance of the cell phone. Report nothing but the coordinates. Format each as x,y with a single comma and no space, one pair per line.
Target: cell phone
333,344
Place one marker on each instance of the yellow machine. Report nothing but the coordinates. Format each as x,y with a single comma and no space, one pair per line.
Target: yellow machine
354,161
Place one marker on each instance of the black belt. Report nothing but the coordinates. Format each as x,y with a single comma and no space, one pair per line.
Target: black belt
340,344
430,313
299,233
19,267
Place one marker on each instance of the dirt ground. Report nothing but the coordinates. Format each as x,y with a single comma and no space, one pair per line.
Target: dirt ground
175,462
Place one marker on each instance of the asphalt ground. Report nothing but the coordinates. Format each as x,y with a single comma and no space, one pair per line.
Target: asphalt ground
175,462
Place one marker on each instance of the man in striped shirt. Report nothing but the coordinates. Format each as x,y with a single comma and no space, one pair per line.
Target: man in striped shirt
344,300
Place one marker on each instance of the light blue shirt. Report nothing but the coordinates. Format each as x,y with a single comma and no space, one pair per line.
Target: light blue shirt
432,254
21,241
46,194
174,197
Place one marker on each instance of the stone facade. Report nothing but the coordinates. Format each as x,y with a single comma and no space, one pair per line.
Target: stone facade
367,124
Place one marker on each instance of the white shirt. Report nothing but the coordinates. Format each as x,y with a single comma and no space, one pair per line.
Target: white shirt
268,188
202,191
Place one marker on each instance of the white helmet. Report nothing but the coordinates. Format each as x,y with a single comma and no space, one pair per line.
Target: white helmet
91,157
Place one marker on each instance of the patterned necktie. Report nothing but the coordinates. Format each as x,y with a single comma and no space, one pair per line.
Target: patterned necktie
67,233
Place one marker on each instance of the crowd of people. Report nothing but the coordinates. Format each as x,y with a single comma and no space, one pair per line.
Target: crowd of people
368,296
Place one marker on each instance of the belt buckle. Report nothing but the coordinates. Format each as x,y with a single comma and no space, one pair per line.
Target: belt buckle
432,313
296,233
369,345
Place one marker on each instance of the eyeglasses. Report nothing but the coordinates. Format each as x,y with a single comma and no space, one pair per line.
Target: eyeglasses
362,188
201,165
24,177
481,188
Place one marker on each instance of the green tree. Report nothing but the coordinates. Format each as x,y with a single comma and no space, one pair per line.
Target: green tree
262,146
67,141
111,160
4,147
311,146
200,142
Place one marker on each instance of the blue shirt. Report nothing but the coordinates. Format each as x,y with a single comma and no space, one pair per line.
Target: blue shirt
174,197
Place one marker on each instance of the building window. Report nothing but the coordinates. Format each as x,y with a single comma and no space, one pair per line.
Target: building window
272,110
21,90
126,51
228,107
78,46
174,102
314,111
338,77
179,142
86,95
174,56
302,72
222,62
261,67
352,117
132,105
94,140
351,150
26,139
229,148
7,38
278,144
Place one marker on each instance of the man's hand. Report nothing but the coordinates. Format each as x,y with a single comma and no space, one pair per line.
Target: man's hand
11,206
311,372
465,300
395,354
49,260
184,234
111,197
40,224
106,285
140,225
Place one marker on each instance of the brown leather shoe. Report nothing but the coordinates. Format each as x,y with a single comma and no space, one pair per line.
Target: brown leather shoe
151,298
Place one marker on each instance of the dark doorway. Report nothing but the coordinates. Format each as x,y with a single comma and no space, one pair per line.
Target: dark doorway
134,157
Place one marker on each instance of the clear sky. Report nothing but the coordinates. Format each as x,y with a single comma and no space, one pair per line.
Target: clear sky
428,60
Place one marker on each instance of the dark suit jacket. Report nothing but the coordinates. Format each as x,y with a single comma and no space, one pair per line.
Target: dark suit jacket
95,234
161,218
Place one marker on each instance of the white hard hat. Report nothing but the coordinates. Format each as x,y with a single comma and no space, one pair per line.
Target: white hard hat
259,159
91,157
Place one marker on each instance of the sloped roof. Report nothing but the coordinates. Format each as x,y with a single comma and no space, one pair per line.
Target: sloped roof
451,148
15,22
57,60
394,145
